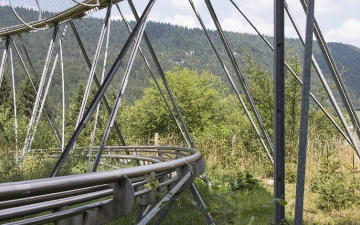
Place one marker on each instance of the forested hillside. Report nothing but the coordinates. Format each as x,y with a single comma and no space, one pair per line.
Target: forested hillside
174,46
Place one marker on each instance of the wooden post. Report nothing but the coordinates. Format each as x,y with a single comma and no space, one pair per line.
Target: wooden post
156,143
156,139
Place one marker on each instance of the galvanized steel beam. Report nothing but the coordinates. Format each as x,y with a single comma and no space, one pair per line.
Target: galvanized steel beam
97,82
279,110
189,141
155,80
119,95
304,117
237,92
295,75
239,75
336,77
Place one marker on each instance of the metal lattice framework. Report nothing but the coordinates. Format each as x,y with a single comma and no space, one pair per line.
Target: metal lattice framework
174,168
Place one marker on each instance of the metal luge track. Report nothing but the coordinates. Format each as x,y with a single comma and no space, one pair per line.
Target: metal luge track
76,12
175,165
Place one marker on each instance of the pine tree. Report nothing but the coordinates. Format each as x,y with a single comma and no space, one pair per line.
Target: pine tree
75,105
26,98
5,93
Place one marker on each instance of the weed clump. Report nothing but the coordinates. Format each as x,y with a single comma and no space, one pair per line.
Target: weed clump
242,180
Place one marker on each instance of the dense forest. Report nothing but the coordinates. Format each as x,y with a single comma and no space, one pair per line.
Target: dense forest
174,46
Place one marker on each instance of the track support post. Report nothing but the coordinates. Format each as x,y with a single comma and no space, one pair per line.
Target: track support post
279,110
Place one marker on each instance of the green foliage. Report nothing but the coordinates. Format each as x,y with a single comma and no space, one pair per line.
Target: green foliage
291,172
208,107
8,170
208,111
72,116
75,106
250,203
175,45
332,185
241,180
226,207
260,83
26,98
5,93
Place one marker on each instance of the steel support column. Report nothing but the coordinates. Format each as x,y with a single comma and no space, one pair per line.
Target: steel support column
47,89
102,80
304,117
207,216
14,102
336,76
155,80
94,64
279,110
157,208
166,208
3,59
39,93
50,119
294,74
47,107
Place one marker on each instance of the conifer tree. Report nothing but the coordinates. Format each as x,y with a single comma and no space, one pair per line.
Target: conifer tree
5,93
27,96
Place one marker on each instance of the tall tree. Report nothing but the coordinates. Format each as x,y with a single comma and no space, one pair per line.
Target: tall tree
5,93
27,96
205,102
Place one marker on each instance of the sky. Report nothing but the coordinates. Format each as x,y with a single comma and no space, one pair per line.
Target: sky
338,20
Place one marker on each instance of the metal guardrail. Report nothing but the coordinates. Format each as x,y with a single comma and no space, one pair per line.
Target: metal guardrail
78,11
125,185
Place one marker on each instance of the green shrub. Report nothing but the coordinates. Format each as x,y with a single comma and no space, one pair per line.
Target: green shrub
332,186
242,180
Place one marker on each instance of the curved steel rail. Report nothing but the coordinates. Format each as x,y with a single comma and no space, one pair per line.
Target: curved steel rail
168,166
78,11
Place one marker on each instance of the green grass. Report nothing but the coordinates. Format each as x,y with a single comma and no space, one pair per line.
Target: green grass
240,207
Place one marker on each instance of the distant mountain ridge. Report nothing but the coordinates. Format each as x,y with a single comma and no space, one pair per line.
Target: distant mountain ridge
174,46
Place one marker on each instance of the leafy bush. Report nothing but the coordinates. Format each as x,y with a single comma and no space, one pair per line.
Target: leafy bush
242,180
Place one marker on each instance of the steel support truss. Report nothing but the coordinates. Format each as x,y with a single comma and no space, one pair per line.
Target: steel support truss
170,169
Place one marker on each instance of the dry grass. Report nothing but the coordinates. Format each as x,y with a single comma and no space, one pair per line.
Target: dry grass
312,214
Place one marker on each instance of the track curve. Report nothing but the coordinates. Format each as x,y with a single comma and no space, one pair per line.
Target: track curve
76,12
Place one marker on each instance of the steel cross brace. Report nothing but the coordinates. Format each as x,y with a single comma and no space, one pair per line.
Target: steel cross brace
336,77
237,92
101,91
155,80
239,74
97,82
296,77
189,140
